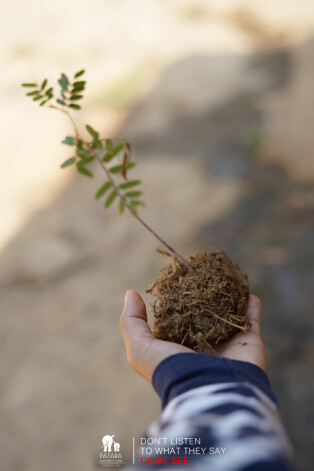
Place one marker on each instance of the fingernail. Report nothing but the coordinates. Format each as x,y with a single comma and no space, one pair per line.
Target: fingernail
126,298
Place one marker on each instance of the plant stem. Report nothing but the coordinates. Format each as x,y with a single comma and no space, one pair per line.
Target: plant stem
115,187
68,115
140,220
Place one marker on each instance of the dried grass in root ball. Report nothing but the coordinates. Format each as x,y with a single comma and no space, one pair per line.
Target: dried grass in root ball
199,309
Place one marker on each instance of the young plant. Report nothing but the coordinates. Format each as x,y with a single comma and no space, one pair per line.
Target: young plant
103,150
198,303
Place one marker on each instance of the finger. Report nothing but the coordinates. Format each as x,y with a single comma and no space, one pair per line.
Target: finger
133,321
254,308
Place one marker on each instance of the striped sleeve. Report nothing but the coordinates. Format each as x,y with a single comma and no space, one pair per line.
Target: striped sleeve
219,414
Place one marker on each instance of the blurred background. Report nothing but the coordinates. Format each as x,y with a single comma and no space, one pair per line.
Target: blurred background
217,99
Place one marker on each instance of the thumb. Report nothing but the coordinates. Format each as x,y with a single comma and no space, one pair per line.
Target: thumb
143,350
254,308
133,321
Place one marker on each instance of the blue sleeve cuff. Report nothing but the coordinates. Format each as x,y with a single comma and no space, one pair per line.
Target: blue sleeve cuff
184,371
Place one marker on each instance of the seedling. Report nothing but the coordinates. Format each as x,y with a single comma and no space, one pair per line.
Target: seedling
199,302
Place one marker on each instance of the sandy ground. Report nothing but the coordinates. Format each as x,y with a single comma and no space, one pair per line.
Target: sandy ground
218,103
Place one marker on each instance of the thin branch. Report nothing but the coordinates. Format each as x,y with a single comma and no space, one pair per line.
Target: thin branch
54,107
116,188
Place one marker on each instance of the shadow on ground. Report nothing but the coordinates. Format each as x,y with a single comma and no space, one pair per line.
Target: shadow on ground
64,378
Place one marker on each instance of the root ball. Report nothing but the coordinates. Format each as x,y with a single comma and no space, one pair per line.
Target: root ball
199,309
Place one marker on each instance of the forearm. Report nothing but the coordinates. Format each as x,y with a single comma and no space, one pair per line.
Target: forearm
227,406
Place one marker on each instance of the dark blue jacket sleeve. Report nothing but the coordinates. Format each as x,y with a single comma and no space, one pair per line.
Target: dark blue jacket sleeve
218,414
184,371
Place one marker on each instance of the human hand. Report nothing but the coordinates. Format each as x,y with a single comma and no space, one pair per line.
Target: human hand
247,346
145,352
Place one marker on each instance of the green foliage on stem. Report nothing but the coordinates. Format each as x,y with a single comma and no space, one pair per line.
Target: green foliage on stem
69,140
87,152
102,190
68,162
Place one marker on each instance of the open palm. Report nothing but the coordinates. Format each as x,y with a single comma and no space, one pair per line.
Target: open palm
145,352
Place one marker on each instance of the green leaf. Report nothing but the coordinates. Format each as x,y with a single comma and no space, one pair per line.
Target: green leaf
83,153
68,162
69,141
129,184
77,90
49,92
133,194
29,84
137,203
35,92
86,161
84,171
115,151
79,73
39,97
64,82
76,97
43,85
109,145
79,84
102,190
43,102
78,87
119,168
92,131
61,102
121,207
75,107
110,198
134,204
97,144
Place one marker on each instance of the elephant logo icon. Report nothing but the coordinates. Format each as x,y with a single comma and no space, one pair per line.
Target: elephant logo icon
111,455
116,446
107,442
